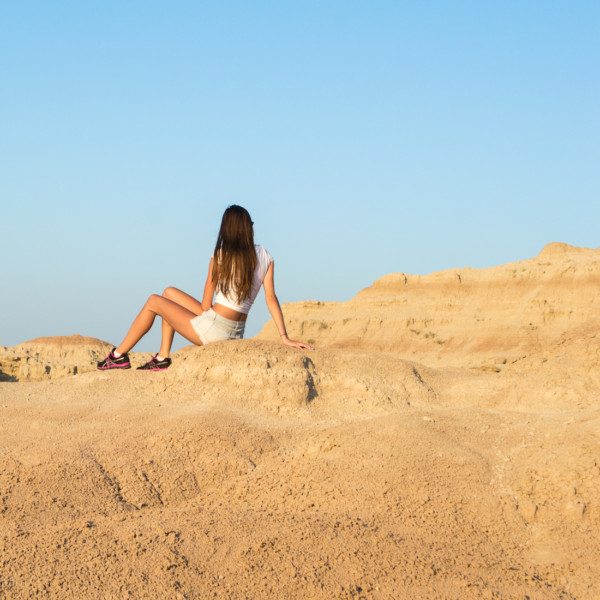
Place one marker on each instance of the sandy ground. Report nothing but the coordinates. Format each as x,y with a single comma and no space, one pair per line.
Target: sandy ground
249,470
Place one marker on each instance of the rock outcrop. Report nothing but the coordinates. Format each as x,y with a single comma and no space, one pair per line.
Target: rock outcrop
51,358
480,318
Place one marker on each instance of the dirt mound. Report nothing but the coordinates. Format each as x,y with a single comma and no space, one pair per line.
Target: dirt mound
60,342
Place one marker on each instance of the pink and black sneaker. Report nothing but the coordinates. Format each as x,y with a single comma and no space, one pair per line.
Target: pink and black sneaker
156,365
110,362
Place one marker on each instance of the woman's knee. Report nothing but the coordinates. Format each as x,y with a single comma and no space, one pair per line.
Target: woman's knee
169,292
153,300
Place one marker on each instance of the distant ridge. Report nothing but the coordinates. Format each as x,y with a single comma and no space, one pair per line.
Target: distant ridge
484,319
463,317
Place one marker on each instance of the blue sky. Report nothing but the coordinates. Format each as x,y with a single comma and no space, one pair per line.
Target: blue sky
364,138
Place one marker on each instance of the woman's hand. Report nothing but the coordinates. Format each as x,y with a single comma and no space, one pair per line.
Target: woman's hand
285,340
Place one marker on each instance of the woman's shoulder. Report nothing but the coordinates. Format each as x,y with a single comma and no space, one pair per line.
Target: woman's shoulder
262,254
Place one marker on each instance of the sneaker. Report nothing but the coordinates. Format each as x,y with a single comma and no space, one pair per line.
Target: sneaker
156,365
110,362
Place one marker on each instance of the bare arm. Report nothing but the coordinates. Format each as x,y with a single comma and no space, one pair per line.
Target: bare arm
275,310
209,290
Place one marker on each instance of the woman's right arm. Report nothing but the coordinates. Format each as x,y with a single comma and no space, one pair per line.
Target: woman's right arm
275,310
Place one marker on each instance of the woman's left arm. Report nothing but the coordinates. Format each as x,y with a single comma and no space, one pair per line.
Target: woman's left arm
275,310
209,289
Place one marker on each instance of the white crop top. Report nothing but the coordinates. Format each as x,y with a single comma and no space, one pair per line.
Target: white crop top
263,260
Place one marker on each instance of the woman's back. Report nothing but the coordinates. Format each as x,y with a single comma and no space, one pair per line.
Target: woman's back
230,299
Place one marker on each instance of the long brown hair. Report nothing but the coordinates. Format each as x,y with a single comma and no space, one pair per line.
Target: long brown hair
234,259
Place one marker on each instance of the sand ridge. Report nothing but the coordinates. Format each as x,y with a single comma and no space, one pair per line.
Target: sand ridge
462,469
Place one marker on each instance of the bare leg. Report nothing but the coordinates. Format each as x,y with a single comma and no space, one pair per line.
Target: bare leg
168,332
178,318
166,339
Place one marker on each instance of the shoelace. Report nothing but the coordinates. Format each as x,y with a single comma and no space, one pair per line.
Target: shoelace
112,361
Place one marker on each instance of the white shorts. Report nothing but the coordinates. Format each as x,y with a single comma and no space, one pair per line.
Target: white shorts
212,327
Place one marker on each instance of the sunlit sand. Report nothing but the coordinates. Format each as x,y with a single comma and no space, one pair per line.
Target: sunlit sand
440,442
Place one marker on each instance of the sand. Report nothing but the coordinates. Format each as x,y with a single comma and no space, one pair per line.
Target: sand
440,442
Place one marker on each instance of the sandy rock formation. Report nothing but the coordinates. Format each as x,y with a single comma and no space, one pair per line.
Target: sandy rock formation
441,442
250,470
51,358
279,380
480,318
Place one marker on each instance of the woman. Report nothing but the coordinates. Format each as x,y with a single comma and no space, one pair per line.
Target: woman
237,270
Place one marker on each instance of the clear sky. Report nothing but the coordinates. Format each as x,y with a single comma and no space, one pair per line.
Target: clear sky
364,138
